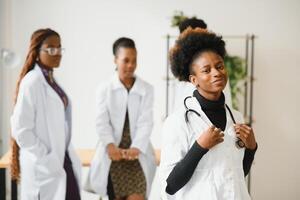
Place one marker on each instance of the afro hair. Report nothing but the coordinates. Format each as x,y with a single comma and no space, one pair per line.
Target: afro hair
189,45
192,22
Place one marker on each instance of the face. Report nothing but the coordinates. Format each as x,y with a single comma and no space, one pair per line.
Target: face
51,61
209,75
126,62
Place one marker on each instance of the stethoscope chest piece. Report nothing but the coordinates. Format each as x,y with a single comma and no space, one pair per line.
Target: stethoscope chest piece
239,143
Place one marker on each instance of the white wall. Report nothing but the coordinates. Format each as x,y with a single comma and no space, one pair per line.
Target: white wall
2,25
6,75
88,29
6,90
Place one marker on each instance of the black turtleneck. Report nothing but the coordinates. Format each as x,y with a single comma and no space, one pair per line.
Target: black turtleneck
183,171
214,110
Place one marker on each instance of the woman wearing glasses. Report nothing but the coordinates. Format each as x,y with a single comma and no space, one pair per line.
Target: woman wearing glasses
41,126
207,149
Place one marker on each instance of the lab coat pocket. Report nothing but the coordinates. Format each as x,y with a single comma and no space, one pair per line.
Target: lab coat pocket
243,191
48,166
96,179
201,186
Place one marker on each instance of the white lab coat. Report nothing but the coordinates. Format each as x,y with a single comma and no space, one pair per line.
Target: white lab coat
219,174
113,100
42,129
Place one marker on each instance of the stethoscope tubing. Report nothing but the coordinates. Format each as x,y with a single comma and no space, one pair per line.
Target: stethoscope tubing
239,143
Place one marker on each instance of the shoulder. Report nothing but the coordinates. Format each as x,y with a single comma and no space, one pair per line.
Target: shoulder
31,80
175,130
144,84
176,120
103,87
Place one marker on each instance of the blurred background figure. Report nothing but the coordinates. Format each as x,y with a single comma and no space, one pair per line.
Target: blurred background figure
125,167
41,126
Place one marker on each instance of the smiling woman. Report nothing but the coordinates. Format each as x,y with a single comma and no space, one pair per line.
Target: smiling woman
209,74
200,158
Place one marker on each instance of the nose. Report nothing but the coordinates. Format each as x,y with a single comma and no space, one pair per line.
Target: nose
216,72
131,65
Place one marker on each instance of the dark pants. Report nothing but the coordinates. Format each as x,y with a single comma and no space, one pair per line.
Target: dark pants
72,192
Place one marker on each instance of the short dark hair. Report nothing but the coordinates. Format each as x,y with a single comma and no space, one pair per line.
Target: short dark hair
192,22
189,45
122,42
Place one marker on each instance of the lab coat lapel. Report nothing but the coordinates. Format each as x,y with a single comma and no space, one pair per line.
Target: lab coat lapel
196,124
49,90
134,103
193,103
55,110
119,101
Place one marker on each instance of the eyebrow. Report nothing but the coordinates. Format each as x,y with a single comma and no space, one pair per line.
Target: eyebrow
216,63
220,61
205,66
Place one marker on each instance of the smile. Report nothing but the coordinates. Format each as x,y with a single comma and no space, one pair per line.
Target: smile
218,81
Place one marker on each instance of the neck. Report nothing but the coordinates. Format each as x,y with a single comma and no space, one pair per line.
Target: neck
127,82
210,96
45,66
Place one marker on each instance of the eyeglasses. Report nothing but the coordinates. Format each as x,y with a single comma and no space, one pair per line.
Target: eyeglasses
52,51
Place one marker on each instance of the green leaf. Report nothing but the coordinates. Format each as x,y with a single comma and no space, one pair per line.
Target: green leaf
177,18
236,69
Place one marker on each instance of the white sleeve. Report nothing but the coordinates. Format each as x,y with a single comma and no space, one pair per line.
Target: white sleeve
23,121
174,147
144,122
103,123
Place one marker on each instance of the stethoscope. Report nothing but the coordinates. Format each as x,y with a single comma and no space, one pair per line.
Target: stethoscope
239,143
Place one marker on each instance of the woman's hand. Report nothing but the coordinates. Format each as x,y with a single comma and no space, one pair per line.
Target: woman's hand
245,133
211,137
114,152
130,154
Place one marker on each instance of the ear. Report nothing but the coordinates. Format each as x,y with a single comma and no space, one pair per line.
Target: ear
193,80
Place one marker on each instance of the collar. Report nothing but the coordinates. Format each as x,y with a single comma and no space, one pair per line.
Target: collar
138,86
192,103
208,104
38,70
47,72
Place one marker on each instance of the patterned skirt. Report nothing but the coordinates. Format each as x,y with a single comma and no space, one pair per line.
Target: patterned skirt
127,177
